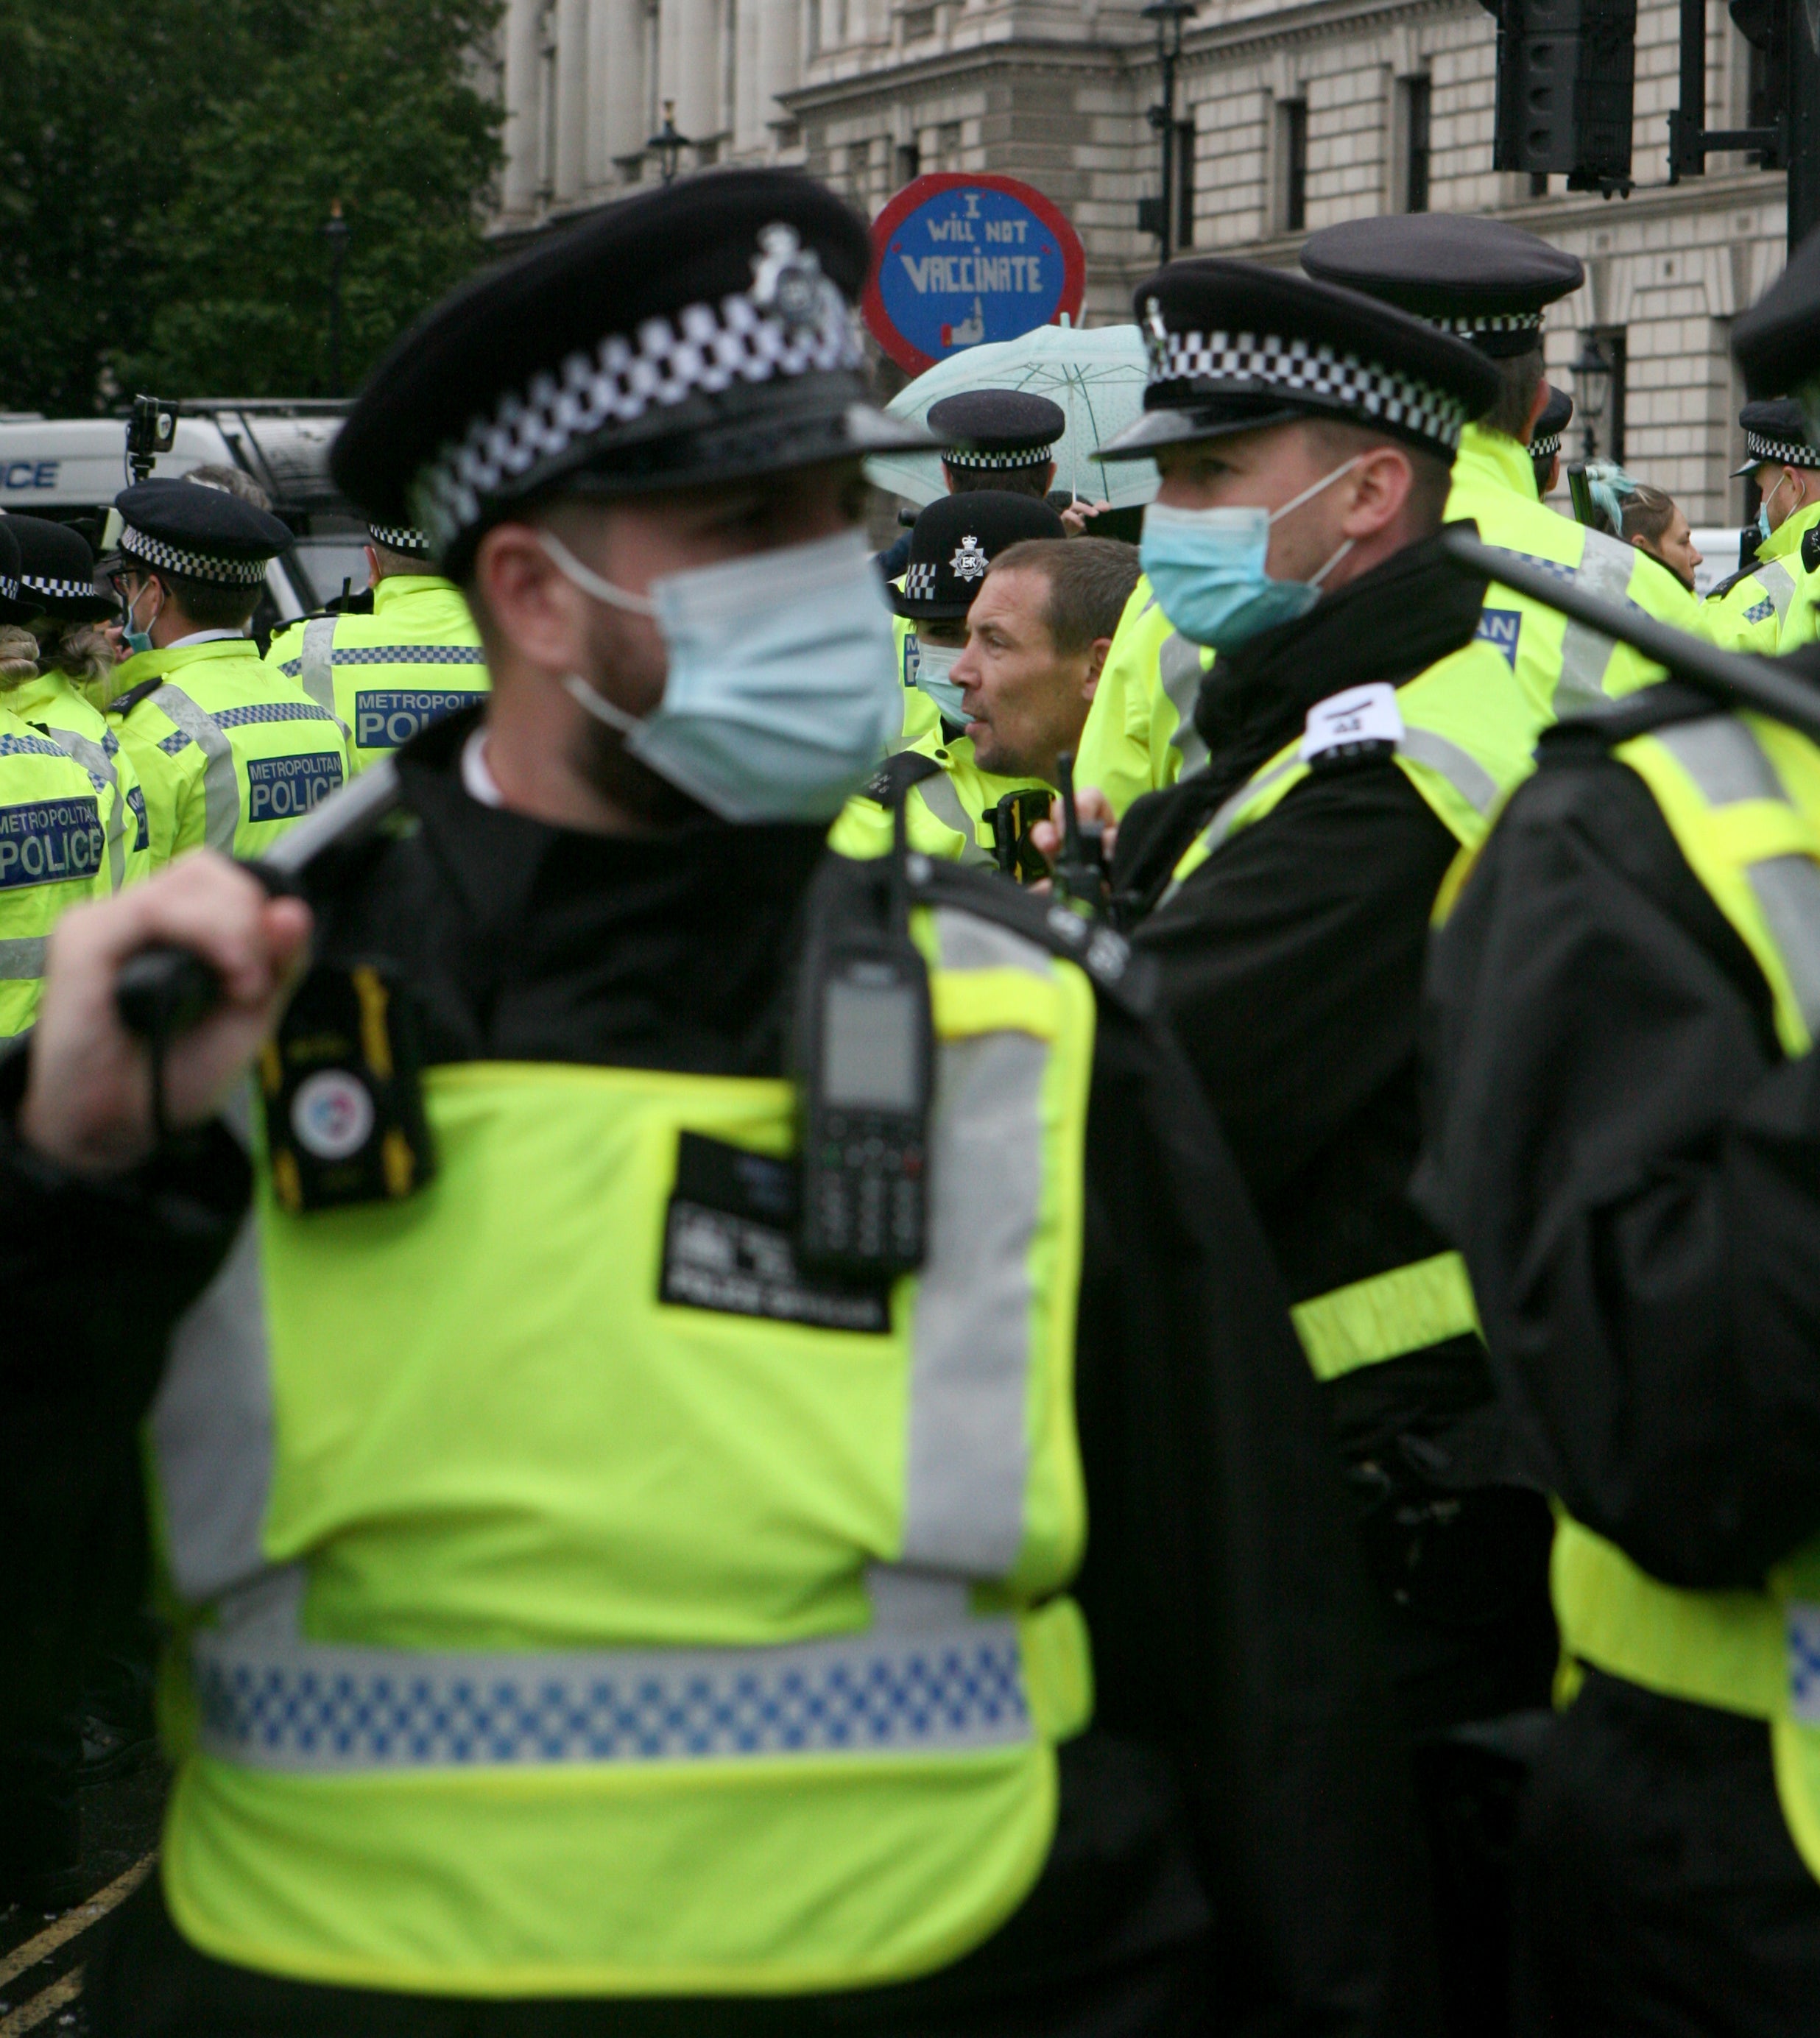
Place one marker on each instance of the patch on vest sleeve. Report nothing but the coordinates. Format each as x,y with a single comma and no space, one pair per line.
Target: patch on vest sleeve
729,1245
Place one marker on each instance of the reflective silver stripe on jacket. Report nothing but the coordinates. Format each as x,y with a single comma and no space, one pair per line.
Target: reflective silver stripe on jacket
96,761
220,782
1605,569
925,1676
315,669
22,959
1724,759
941,799
1178,663
1778,584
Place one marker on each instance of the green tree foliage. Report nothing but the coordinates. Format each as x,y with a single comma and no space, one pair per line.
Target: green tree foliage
168,168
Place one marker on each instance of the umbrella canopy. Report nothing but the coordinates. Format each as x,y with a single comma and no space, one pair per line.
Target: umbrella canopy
1096,374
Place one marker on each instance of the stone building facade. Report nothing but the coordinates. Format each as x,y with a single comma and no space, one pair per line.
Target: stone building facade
1289,117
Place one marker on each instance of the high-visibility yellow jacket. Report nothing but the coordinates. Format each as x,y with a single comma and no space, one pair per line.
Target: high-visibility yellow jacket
53,855
56,707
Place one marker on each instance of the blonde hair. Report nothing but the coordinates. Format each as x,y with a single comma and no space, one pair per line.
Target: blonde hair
18,657
81,652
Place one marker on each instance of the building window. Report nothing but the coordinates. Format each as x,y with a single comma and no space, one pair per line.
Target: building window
909,163
1538,184
1418,95
1762,100
1292,164
1184,184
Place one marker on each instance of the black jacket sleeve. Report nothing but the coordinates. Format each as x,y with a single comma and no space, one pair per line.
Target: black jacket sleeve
1292,961
1632,1172
1223,1586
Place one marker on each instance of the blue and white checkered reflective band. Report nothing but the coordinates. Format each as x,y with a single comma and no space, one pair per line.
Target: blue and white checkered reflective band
197,566
400,538
396,655
322,1707
238,717
8,587
1803,1639
1790,453
919,581
30,746
1028,455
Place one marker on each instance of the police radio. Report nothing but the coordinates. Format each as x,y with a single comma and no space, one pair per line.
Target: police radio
864,1063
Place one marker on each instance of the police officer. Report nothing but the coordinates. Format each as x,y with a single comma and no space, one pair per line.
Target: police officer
1755,610
413,659
67,613
995,439
1358,733
954,809
1492,283
227,753
600,1611
53,840
1624,1144
1552,421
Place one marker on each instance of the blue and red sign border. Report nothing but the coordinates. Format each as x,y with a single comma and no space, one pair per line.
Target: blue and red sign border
918,192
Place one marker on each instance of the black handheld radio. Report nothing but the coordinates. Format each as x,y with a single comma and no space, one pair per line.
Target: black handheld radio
1080,871
864,1063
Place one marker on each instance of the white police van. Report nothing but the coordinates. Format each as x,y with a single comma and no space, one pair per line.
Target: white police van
72,468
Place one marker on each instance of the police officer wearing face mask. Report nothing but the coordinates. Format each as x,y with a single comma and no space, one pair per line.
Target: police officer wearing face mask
954,809
1626,1141
1491,284
627,1451
1769,604
389,670
228,754
1357,735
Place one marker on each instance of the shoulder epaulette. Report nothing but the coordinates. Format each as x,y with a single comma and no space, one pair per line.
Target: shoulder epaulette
1726,585
1106,957
1810,549
896,775
125,703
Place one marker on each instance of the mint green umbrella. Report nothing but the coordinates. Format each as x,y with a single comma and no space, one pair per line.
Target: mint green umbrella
1096,374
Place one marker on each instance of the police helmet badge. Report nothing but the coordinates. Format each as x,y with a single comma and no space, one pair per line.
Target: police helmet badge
969,562
787,279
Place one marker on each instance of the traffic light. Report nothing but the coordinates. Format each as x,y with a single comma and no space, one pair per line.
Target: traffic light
1565,70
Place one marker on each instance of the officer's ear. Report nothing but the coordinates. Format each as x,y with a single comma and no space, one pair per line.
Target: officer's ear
521,597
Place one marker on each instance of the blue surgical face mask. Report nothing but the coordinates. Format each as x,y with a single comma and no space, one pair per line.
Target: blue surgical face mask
138,640
934,662
781,693
1206,568
1763,528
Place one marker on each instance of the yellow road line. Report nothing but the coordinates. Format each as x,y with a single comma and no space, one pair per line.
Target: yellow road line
67,1928
29,2016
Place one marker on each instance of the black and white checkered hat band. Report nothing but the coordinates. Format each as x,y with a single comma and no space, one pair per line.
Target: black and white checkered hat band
1469,328
400,537
1791,452
59,590
1298,368
919,583
199,566
1033,455
1546,447
704,347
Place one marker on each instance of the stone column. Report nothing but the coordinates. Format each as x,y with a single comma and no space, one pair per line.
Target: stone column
522,125
779,55
616,122
570,167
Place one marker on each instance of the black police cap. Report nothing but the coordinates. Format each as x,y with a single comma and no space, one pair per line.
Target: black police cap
1234,346
697,331
1777,342
995,429
203,533
1557,415
1775,429
1479,278
12,608
57,571
954,541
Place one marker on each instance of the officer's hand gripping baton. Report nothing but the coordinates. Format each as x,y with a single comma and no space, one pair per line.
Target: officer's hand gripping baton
1734,679
162,992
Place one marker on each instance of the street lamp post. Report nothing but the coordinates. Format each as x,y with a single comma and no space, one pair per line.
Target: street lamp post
1157,215
666,144
336,230
1591,386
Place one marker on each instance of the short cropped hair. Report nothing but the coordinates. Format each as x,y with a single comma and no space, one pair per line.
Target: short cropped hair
209,603
1011,480
1090,582
1519,377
